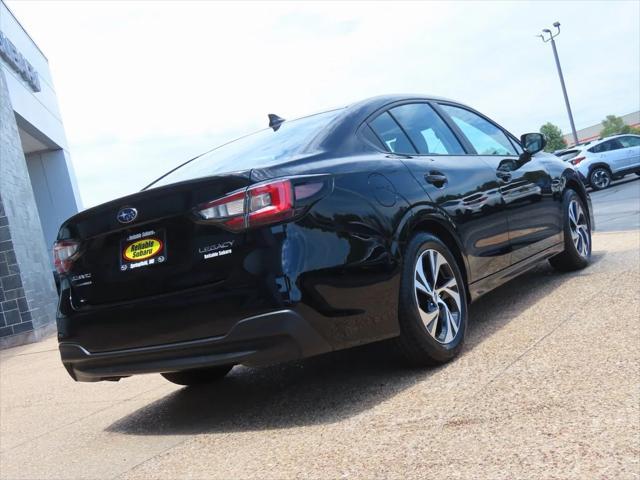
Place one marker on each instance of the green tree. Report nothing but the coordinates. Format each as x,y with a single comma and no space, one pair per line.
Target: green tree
553,136
613,125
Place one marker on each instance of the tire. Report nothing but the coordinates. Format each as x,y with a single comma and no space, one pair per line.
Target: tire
577,235
199,376
428,336
600,178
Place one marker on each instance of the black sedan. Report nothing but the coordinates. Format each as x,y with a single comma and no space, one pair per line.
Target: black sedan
380,220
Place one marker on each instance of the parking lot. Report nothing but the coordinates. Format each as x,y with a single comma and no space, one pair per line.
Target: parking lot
548,386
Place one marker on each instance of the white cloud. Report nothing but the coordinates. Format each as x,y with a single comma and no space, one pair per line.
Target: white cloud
144,86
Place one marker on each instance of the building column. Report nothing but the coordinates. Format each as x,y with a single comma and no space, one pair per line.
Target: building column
28,296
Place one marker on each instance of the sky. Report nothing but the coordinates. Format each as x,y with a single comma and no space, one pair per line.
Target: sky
144,86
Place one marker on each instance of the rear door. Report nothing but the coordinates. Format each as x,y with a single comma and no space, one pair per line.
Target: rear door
462,186
535,217
612,153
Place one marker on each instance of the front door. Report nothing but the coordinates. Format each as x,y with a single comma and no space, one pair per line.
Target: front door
535,218
461,185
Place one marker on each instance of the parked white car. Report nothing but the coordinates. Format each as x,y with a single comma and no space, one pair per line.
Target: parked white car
605,160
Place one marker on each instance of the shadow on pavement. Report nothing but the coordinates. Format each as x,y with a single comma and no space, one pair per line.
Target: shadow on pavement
324,389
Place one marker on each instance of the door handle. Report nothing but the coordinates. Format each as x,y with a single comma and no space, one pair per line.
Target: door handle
436,178
504,176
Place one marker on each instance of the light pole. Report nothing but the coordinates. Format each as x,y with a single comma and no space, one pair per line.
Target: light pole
551,37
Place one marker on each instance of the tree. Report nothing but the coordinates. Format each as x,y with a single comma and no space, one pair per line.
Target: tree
553,136
613,125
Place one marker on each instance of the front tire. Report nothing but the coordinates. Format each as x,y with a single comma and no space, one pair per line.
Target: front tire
199,376
577,235
433,303
600,178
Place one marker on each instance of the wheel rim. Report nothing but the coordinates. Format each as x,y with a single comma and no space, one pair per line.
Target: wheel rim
437,296
579,228
601,178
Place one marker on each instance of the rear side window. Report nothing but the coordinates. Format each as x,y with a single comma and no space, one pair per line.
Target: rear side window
428,132
391,134
486,138
628,142
607,146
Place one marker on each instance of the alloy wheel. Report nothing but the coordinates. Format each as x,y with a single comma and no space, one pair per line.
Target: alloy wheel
579,227
438,296
601,178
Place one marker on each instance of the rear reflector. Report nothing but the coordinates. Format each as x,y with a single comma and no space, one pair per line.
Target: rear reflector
64,253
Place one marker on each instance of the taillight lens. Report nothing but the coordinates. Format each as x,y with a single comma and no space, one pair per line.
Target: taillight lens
577,160
64,253
228,210
270,203
261,204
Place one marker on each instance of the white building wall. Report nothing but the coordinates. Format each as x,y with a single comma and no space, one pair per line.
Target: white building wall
53,177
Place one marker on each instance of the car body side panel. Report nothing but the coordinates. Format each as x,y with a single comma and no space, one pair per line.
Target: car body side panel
533,199
342,260
472,201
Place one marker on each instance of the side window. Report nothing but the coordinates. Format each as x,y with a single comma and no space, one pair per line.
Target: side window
596,148
485,137
517,146
428,132
391,134
628,142
607,146
616,144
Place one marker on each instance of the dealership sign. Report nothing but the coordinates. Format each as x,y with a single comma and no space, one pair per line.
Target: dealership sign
16,60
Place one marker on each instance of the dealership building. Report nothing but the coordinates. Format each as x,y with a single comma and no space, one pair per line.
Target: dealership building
37,185
593,132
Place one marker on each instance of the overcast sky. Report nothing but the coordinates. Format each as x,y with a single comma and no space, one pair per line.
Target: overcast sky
144,86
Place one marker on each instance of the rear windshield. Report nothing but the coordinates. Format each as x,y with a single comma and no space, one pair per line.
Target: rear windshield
568,155
257,149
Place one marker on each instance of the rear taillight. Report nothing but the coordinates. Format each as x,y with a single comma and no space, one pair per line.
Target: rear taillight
269,203
227,210
262,204
577,160
64,253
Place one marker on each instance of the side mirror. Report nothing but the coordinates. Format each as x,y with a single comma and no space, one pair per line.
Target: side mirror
533,142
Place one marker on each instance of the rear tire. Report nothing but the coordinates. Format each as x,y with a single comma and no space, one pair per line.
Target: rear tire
199,376
600,178
577,235
433,311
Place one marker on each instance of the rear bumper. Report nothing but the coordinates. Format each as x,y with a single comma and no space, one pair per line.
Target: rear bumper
259,340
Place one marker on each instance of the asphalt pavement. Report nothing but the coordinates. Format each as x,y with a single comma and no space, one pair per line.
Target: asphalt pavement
618,207
548,386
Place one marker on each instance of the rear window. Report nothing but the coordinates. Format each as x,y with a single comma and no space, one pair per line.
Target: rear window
568,155
257,149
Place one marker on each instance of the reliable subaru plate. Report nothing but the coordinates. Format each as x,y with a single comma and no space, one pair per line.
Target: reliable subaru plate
143,249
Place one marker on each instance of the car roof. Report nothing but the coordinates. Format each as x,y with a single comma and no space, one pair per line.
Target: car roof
600,140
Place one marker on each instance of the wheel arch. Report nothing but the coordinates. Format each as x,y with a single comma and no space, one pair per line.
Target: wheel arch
574,183
440,226
604,165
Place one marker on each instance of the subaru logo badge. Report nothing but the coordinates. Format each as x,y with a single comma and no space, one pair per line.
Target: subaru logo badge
127,215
